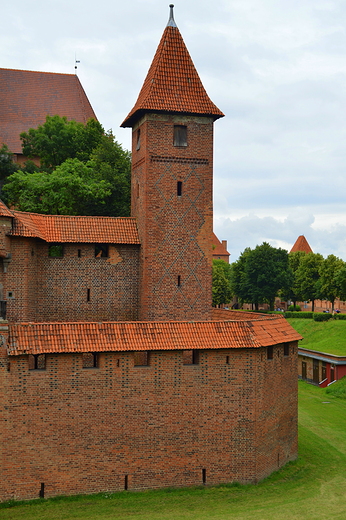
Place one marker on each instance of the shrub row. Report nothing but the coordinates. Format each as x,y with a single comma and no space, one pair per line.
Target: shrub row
300,315
322,316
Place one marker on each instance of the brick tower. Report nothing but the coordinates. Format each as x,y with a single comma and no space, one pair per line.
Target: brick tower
172,175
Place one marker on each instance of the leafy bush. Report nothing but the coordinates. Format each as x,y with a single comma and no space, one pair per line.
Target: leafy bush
294,308
300,315
322,316
340,316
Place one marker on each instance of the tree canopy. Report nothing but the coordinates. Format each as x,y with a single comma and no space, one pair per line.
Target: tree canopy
83,171
260,273
221,289
307,277
329,282
59,139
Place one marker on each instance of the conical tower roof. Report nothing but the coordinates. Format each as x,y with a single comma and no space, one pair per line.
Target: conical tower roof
301,244
172,83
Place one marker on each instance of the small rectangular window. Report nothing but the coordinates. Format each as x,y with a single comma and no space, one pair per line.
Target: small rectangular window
141,359
138,136
88,295
179,188
90,360
37,361
286,349
101,250
55,250
79,253
180,135
190,357
270,352
179,280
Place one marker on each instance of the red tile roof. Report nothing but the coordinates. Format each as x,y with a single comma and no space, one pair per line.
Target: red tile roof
217,247
172,83
301,244
62,228
27,97
36,338
4,211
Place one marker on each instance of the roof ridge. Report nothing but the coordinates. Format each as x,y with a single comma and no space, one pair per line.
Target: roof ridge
39,71
70,216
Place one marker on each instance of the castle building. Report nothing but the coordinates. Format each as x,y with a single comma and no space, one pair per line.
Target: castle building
27,97
115,372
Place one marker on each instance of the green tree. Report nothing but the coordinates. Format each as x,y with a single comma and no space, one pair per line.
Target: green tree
307,277
329,283
111,163
294,293
267,271
7,166
66,191
260,273
100,185
341,281
239,281
221,282
59,139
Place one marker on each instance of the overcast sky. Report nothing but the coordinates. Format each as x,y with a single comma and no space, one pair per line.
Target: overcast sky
277,70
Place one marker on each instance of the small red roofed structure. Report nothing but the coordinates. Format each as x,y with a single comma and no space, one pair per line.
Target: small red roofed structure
219,249
301,244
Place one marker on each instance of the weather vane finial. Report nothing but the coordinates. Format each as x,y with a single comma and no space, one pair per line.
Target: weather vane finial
171,22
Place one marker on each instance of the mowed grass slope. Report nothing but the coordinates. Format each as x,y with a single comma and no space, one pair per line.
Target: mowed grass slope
324,336
313,487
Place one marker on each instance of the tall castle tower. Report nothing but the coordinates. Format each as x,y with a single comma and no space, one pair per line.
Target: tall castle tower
172,175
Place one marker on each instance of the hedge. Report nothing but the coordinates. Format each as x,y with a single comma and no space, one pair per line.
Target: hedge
300,315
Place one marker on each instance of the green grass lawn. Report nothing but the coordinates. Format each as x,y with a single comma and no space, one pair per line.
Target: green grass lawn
313,487
324,336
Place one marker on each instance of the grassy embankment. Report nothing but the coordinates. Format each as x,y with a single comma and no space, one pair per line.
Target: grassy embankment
323,336
313,487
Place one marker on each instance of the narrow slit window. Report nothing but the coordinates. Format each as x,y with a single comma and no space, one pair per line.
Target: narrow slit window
179,281
180,135
79,253
179,188
227,360
138,137
270,352
88,295
204,476
286,349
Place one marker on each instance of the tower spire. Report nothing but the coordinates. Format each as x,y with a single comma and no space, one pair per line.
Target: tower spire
171,22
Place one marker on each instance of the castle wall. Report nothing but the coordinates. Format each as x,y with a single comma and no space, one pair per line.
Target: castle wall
75,287
174,229
122,426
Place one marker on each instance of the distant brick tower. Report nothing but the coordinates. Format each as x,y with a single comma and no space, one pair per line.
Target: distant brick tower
172,175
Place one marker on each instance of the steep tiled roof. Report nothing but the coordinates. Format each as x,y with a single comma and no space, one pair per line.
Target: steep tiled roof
4,211
301,244
172,83
27,97
35,338
218,248
62,228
